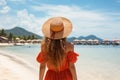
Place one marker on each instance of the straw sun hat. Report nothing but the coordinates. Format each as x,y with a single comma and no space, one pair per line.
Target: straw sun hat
57,28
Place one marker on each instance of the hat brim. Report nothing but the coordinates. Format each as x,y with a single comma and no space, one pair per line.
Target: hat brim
67,28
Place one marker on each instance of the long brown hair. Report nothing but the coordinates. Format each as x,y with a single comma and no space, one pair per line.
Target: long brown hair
54,50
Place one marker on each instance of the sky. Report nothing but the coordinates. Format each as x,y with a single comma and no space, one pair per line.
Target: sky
88,17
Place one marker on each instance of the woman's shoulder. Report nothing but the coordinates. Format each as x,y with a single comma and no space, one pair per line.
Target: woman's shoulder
69,47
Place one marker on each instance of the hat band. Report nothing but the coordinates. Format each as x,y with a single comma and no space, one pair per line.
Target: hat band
52,34
56,28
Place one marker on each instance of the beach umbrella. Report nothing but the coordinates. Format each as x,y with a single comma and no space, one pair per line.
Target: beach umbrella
83,40
96,40
22,41
90,40
29,41
76,40
17,38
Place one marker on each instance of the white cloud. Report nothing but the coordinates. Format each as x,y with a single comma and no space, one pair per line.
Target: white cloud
4,10
22,19
7,21
69,11
29,21
2,2
79,17
85,22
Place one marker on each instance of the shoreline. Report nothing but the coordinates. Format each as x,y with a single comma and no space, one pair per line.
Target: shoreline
22,44
13,68
13,44
95,64
6,44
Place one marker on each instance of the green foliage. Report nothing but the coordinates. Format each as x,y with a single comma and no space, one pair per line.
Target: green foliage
33,37
18,31
10,36
2,33
13,37
24,37
29,37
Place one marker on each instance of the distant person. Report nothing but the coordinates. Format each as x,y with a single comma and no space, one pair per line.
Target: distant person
56,53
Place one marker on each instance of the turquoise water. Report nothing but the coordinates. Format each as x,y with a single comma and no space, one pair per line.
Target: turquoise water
94,62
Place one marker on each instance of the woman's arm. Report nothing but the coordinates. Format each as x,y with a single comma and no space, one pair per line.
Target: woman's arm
73,71
42,71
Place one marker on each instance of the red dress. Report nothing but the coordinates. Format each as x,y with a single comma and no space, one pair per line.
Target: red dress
64,73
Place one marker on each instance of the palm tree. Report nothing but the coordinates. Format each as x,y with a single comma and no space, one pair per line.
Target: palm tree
29,37
33,37
10,36
2,33
24,37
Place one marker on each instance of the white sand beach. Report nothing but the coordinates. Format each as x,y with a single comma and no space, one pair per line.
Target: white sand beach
94,63
6,44
13,44
12,68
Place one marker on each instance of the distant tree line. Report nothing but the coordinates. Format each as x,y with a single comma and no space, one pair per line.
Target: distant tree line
11,37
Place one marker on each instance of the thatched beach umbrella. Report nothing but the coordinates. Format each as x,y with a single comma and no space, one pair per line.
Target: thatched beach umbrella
90,41
29,41
76,41
96,41
83,41
35,41
22,41
116,41
39,40
106,42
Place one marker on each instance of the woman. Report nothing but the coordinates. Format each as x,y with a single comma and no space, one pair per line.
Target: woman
56,53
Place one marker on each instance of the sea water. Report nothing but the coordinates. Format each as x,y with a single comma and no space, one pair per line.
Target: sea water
94,62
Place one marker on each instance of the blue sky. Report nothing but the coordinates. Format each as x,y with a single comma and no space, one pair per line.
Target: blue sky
98,17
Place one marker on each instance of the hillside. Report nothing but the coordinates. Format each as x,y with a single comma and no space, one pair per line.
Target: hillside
18,31
90,37
86,38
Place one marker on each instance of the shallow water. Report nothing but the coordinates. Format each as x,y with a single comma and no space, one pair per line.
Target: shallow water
94,63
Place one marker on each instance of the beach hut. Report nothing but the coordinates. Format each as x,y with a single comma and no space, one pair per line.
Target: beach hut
3,39
96,41
115,41
35,41
90,41
106,42
29,41
83,41
39,40
76,41
21,41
